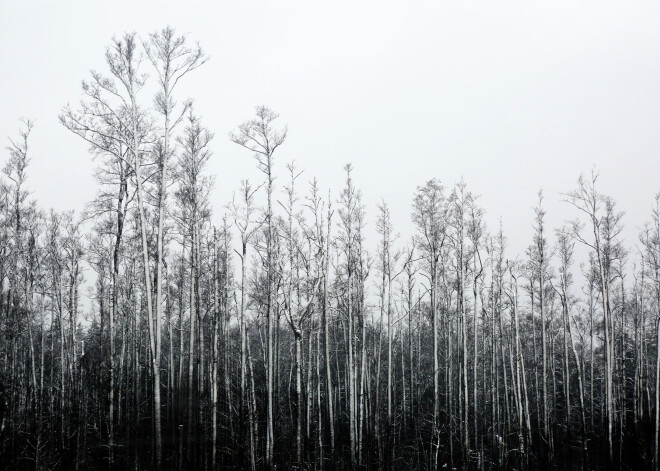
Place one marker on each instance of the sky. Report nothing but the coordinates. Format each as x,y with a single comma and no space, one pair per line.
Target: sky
512,97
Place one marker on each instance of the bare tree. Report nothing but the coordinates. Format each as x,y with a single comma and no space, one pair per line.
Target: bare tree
565,250
605,226
350,207
193,200
651,245
243,213
539,263
260,137
172,59
429,215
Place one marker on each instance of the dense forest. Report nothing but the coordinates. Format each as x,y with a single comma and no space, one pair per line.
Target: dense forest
159,329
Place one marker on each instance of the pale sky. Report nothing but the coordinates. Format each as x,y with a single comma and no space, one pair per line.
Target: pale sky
511,96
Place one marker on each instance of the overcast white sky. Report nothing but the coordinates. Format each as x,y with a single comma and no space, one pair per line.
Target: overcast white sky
511,96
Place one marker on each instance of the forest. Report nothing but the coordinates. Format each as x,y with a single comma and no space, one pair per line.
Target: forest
159,329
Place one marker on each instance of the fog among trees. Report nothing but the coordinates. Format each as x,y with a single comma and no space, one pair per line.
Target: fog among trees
162,329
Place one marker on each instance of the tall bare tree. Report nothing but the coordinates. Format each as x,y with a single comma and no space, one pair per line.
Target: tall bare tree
651,245
259,136
429,215
605,227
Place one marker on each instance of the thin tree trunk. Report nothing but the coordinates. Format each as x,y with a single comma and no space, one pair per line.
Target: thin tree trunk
326,337
214,373
191,353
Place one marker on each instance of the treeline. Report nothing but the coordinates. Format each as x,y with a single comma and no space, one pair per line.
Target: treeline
270,335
